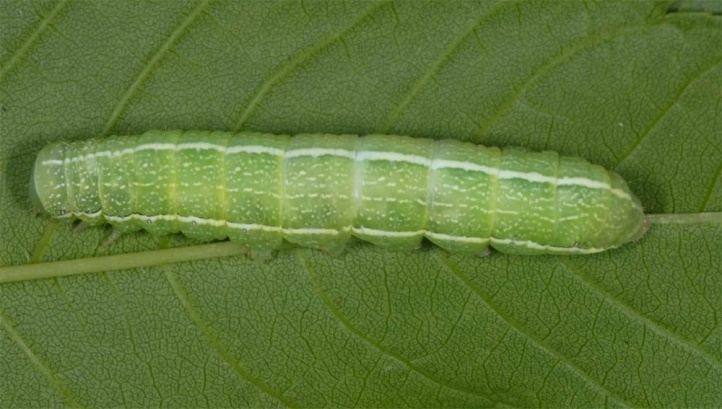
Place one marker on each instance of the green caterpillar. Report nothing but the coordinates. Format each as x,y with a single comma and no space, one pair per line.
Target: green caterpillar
319,190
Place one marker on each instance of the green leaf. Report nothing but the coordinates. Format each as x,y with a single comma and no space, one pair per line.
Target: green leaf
634,86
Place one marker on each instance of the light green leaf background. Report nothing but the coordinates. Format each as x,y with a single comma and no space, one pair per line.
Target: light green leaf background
634,86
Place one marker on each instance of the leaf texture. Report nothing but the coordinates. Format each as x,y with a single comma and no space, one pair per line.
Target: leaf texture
636,87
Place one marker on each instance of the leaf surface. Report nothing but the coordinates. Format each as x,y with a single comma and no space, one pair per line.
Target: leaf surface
635,87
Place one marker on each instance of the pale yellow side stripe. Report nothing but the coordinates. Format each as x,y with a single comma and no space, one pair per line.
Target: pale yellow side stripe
357,231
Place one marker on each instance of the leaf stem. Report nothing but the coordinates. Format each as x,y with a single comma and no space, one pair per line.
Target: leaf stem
119,262
684,218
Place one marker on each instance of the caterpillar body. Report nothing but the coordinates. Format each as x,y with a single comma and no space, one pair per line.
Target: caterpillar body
319,190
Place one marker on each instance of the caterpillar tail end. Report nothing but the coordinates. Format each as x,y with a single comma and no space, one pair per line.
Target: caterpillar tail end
643,228
641,222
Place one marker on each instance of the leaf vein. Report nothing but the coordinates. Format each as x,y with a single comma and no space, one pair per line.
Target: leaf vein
28,43
585,43
345,323
131,335
521,330
710,190
216,344
152,64
52,378
660,329
665,110
296,61
436,65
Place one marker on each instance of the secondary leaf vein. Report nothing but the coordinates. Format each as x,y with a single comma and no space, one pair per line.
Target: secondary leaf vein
152,64
658,328
667,108
585,43
436,65
710,190
43,368
345,323
32,38
216,344
520,329
296,61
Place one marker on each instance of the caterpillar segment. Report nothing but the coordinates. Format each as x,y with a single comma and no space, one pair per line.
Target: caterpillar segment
320,190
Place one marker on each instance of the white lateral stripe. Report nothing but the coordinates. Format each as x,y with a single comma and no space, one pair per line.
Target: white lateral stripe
254,149
126,151
53,162
93,215
537,246
464,239
393,157
201,221
530,176
316,152
323,231
578,181
533,177
258,149
385,233
312,230
470,166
